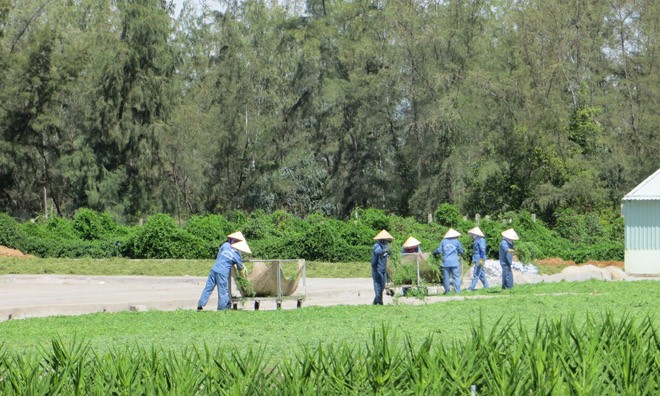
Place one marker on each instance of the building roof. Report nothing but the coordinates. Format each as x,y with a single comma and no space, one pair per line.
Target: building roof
649,189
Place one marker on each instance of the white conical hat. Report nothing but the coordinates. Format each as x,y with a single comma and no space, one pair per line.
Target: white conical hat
477,231
411,242
236,235
384,235
241,246
510,234
452,233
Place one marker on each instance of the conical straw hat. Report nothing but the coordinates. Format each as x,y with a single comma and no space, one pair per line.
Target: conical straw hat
452,233
384,235
476,231
510,234
241,246
236,235
411,242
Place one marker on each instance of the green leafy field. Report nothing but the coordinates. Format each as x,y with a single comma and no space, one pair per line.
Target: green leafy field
279,333
580,338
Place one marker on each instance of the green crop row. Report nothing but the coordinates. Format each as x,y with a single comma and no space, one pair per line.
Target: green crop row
316,237
605,356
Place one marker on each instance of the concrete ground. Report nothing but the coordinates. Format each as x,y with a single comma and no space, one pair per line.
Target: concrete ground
24,296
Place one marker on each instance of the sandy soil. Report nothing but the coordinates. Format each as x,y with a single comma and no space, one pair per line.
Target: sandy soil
8,252
556,262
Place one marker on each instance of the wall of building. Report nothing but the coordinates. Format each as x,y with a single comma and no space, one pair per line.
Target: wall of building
642,236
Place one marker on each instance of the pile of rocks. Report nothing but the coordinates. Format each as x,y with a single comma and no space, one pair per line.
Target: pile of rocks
529,273
494,270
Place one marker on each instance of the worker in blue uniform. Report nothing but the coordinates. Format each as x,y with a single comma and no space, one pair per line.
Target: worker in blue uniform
379,254
506,257
411,245
449,249
228,256
478,258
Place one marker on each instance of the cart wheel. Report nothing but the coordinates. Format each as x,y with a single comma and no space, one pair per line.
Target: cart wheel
279,305
256,305
299,304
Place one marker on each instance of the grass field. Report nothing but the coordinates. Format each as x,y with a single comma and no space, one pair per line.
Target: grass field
278,333
580,338
120,266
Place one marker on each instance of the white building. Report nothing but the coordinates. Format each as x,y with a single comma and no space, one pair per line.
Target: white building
641,215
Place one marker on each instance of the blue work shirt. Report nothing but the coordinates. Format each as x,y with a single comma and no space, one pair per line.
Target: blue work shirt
506,252
479,249
227,257
450,249
378,256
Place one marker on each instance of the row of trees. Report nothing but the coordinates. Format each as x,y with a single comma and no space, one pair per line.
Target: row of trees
326,105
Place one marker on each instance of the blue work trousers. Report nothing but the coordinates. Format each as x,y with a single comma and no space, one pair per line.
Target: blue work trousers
221,280
455,275
479,275
379,275
507,277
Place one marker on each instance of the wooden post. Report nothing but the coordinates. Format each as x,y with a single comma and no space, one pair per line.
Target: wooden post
45,202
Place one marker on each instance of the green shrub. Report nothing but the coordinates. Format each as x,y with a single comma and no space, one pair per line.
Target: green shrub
527,251
448,215
604,251
285,223
58,228
211,228
546,240
237,218
324,241
84,248
358,234
91,225
259,225
9,230
374,219
287,247
615,228
162,238
35,239
589,228
317,237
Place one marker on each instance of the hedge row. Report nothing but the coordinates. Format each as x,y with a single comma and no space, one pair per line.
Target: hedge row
316,237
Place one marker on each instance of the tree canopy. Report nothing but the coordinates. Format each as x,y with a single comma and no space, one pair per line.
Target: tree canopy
325,106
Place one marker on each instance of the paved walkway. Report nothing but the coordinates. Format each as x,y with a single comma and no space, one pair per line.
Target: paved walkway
24,296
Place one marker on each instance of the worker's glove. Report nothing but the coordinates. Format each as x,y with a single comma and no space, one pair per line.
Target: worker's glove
243,272
481,261
386,253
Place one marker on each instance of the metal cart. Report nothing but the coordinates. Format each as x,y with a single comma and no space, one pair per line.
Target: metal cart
277,294
418,282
